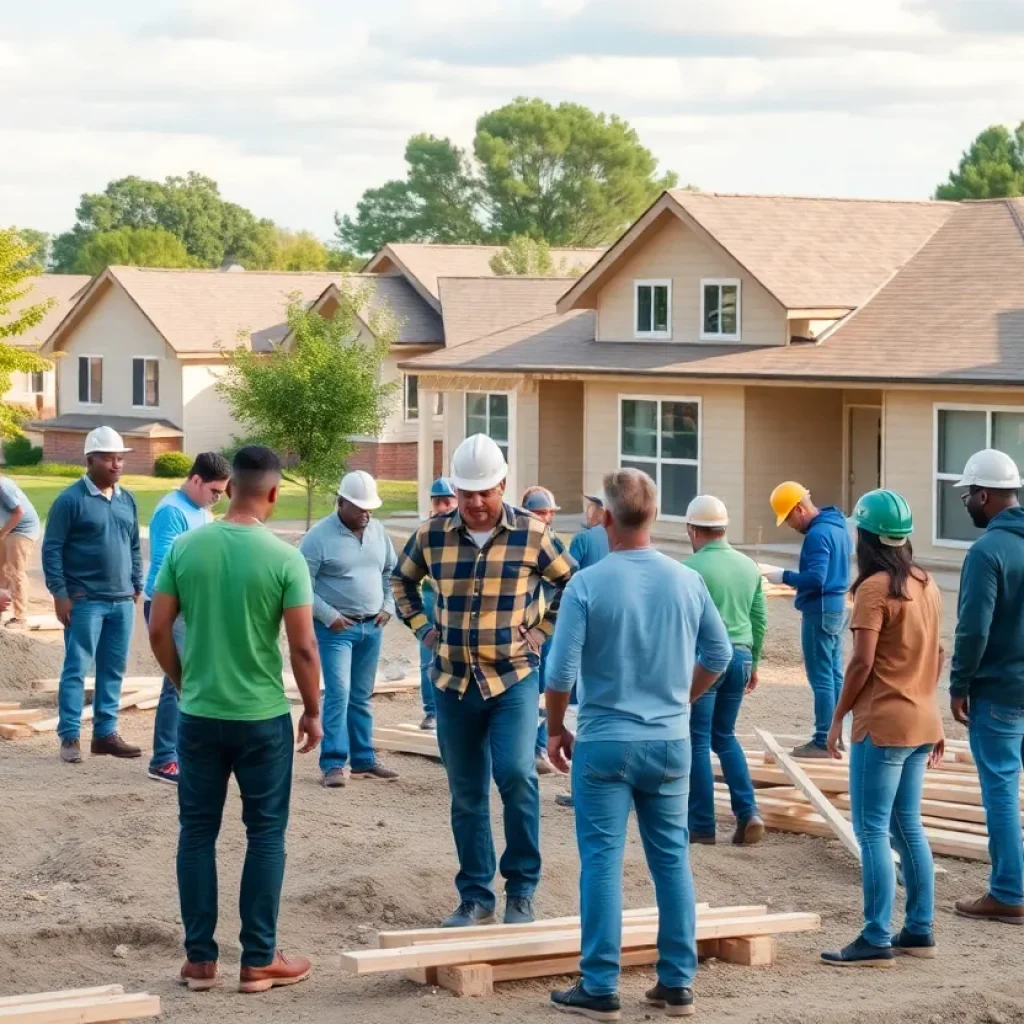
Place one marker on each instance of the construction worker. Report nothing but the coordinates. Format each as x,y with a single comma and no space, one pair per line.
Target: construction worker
442,501
184,509
986,681
734,582
235,583
821,584
19,534
629,630
891,685
487,560
92,563
350,558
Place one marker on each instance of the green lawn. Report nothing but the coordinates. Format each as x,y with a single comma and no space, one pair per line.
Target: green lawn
398,495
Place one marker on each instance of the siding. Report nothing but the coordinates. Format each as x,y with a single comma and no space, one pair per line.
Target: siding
21,393
561,442
676,252
209,425
395,426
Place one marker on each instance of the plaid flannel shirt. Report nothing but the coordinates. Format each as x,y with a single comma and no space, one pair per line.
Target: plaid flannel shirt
484,595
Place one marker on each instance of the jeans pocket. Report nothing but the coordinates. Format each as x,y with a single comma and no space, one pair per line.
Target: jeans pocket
677,760
1008,714
833,623
894,755
604,760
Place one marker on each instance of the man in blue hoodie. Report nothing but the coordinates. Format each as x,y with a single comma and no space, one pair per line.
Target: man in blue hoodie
986,679
821,584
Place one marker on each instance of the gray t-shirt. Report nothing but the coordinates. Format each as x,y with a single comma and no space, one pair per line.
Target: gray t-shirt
11,498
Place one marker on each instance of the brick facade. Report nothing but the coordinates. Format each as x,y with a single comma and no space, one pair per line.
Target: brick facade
66,446
394,461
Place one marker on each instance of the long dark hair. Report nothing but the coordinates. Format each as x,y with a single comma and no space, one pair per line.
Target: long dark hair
897,563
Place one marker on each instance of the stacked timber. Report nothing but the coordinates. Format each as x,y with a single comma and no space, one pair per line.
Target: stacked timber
78,1006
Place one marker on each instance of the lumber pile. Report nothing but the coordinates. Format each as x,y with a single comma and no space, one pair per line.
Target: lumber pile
78,1006
469,961
406,739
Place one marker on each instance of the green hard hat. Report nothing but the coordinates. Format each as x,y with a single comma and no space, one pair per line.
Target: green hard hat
885,514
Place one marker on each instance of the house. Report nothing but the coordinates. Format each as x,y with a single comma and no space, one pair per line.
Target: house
726,343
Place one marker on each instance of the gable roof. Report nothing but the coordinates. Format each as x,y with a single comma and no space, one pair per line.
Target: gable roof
62,288
808,253
420,323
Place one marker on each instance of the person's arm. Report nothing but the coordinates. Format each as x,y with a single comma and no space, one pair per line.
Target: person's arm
390,560
714,648
17,513
162,612
563,669
979,583
313,553
136,543
758,622
297,608
815,554
58,523
868,618
410,568
556,567
939,750
168,523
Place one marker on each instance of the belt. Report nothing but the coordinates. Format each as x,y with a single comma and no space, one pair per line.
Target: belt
360,618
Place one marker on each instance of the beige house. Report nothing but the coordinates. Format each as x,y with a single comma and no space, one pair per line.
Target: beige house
726,343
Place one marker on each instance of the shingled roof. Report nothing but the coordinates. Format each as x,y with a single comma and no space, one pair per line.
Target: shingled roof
62,288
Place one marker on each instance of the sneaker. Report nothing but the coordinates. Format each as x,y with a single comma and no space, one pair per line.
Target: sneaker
429,723
378,771
469,913
988,908
165,773
544,766
71,752
860,953
676,1002
199,976
564,800
809,750
518,910
334,778
282,970
113,746
703,840
748,832
579,1001
908,944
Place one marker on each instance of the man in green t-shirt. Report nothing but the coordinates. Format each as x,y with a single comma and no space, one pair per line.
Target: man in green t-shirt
233,583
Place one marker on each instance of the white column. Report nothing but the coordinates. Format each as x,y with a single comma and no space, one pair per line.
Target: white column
425,449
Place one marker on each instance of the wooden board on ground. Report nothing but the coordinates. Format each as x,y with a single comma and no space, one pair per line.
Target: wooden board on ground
78,1006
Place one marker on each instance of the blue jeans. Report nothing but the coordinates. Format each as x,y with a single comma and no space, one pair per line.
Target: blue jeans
607,777
259,755
821,636
997,743
349,658
886,784
475,737
427,657
165,727
713,727
100,634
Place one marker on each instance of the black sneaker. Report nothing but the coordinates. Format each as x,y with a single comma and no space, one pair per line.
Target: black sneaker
908,944
860,953
579,1001
468,913
676,1002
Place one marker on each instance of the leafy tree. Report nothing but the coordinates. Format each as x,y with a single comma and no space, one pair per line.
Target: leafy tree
38,243
310,398
343,260
131,247
299,250
992,168
526,257
15,272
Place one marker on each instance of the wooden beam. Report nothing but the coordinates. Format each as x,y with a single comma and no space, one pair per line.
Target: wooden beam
15,732
86,1010
756,952
65,994
21,716
467,979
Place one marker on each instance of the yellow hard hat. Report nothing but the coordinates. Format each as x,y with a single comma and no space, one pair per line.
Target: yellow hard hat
785,498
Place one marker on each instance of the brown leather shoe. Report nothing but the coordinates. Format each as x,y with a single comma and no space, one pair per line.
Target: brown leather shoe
749,832
114,746
200,977
282,970
988,908
71,752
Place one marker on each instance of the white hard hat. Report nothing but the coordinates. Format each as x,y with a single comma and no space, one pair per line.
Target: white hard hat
707,510
360,489
104,439
990,468
478,464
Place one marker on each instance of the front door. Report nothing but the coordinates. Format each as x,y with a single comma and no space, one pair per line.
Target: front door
864,456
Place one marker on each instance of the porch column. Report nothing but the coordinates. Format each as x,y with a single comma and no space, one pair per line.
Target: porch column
425,450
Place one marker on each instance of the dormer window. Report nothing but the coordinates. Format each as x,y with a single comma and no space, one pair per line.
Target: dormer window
720,309
652,304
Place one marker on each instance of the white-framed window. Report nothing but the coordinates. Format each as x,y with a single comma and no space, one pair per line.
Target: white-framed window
652,309
411,399
90,380
488,413
720,309
960,431
145,382
661,436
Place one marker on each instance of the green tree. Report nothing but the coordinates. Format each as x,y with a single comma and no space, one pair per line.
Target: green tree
299,250
16,317
131,247
38,243
309,398
992,168
526,257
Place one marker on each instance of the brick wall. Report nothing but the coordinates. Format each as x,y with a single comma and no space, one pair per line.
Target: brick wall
66,446
394,461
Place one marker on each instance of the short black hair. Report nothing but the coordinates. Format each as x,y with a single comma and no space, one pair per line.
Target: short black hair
255,470
210,466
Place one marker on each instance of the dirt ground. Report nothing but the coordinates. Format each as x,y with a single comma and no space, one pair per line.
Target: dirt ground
87,864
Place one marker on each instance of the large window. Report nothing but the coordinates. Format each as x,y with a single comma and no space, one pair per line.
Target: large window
720,310
145,383
90,380
652,302
959,433
661,436
488,414
411,399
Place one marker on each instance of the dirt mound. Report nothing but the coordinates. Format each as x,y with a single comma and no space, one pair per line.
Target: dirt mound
23,659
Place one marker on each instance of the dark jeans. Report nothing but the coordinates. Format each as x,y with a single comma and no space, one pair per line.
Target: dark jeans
821,637
477,736
259,755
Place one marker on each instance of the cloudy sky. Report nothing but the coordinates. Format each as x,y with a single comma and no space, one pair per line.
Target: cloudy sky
296,106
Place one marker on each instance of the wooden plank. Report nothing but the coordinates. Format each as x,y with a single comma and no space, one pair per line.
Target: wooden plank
63,995
15,732
755,952
404,747
467,979
9,705
88,1010
127,683
127,700
965,813
21,716
148,704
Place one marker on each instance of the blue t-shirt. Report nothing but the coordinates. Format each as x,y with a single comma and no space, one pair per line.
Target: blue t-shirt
589,546
630,629
176,514
12,497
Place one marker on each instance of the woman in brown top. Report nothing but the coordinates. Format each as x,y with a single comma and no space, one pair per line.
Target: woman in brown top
891,686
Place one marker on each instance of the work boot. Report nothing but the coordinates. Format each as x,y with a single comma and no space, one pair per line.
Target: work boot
518,910
748,832
579,1001
114,746
700,839
988,908
469,913
544,766
282,970
200,976
860,953
429,723
378,771
71,752
564,800
908,944
676,1002
334,778
808,750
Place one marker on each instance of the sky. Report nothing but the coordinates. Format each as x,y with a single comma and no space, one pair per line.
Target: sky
296,106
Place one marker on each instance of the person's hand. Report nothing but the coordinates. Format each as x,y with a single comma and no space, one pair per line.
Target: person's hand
751,682
533,638
383,618
136,596
62,609
5,600
560,750
340,623
960,709
835,741
430,639
935,757
774,575
310,732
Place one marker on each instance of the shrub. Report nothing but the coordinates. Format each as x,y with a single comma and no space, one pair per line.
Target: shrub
172,465
52,469
21,452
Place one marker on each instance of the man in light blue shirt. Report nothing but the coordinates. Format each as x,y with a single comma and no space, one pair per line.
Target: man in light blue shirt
642,636
350,558
19,534
182,510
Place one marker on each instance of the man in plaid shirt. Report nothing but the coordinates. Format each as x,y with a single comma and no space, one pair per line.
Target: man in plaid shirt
486,561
